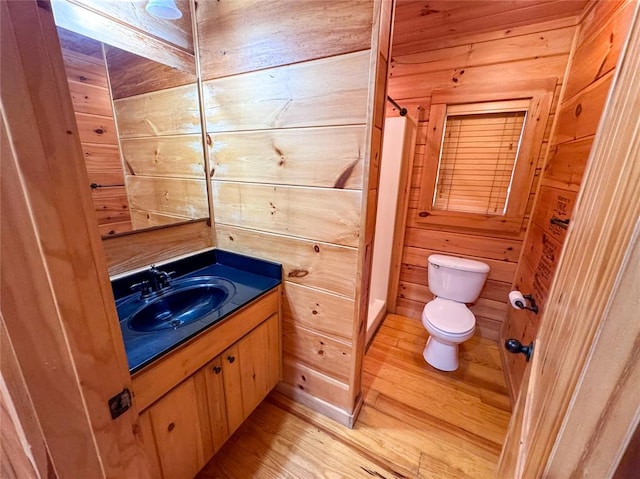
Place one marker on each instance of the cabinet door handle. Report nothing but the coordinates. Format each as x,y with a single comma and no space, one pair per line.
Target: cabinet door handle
217,369
231,358
171,426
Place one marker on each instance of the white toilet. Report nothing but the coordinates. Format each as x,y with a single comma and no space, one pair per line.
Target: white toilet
454,282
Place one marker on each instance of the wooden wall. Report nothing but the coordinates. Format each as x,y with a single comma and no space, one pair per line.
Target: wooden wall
600,38
289,107
158,118
88,83
476,61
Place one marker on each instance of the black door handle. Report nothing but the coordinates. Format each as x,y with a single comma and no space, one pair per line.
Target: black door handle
514,346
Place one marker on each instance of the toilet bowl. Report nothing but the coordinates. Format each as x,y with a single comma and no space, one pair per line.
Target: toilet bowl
448,320
448,323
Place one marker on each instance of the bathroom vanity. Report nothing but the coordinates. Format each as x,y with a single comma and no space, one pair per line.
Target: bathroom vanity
197,382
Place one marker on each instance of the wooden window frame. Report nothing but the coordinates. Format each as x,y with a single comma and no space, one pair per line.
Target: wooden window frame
540,96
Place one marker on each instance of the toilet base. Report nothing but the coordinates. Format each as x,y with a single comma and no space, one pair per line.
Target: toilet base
441,355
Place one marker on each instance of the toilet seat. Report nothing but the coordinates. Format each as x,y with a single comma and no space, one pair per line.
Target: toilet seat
449,317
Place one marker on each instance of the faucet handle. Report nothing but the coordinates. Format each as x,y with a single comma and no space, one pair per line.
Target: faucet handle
144,287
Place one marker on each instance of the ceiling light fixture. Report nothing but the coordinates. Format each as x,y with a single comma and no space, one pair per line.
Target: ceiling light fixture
165,9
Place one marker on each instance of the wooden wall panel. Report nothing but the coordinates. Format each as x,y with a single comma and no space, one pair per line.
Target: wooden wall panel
330,91
319,311
328,215
427,26
599,41
175,111
87,79
163,155
289,103
172,196
132,75
292,34
319,266
328,157
481,60
167,156
127,252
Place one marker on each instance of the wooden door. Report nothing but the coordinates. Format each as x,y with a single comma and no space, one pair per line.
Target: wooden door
57,306
578,407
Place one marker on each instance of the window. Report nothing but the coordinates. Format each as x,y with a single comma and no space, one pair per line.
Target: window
480,160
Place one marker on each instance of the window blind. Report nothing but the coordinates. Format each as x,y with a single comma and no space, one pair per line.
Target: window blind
477,160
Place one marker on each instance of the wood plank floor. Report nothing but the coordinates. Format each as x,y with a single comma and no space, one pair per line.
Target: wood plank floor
417,422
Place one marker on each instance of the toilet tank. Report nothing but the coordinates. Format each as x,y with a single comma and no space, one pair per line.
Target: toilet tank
456,279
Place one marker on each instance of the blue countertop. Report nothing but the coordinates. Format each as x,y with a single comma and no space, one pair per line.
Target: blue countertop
251,278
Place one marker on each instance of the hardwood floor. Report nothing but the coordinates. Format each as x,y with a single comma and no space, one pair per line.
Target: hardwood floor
416,422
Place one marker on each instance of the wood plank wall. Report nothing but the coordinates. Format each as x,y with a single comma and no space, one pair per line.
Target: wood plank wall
600,38
289,115
158,118
484,61
87,78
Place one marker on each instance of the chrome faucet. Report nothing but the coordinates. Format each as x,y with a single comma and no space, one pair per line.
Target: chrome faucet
158,281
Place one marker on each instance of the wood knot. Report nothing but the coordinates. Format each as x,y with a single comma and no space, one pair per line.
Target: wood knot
316,248
578,110
298,273
99,131
423,214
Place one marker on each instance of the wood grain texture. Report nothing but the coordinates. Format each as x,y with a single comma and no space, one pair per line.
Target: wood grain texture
398,433
103,164
177,428
88,85
320,352
434,24
329,157
327,30
127,252
99,21
131,75
18,409
317,310
291,147
111,205
320,214
599,42
173,111
566,409
313,264
172,196
330,91
473,57
178,156
51,253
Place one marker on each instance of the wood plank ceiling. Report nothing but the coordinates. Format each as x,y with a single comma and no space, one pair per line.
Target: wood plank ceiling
420,25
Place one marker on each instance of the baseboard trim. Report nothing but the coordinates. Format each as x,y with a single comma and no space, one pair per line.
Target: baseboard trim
327,409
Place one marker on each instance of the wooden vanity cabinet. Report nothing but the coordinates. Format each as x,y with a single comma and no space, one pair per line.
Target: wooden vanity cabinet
183,428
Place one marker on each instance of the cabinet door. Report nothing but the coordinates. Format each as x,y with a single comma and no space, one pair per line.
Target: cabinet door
178,431
232,387
259,353
216,402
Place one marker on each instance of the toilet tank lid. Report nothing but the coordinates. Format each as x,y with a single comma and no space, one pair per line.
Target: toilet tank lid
462,264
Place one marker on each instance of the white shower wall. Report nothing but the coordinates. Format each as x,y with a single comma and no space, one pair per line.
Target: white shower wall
393,154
